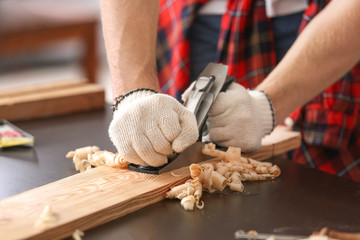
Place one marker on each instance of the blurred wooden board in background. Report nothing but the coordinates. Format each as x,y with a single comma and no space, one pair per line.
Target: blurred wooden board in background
50,99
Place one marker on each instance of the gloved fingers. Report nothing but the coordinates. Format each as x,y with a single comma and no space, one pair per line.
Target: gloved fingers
169,125
223,119
223,136
129,154
144,149
187,92
122,143
220,105
189,131
224,104
219,135
159,141
234,95
246,146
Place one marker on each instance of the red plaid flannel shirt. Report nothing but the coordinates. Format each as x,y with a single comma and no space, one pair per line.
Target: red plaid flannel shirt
329,123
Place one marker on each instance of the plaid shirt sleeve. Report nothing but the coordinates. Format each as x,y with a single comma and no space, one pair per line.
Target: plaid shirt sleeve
329,124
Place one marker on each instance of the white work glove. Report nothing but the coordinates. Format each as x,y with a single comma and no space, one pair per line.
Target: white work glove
148,126
240,118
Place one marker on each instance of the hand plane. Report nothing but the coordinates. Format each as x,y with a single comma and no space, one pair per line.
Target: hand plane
203,94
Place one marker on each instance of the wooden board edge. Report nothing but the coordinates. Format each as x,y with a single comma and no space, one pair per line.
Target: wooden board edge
95,217
55,103
273,150
41,87
98,218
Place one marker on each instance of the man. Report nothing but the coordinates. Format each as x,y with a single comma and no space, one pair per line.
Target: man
147,125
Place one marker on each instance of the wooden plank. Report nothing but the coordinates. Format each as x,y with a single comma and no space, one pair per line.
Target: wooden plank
38,88
83,201
94,197
281,140
50,100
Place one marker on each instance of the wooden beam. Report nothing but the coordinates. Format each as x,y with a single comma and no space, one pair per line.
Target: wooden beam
83,201
281,140
38,88
50,100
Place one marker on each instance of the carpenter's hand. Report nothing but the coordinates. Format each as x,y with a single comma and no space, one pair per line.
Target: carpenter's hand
240,118
147,127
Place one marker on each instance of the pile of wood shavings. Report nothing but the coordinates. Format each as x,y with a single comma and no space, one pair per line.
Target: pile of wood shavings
231,171
89,157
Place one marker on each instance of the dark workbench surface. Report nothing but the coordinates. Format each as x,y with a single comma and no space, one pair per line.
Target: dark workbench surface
299,201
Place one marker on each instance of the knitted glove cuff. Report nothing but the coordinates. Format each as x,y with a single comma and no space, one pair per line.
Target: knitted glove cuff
267,113
140,92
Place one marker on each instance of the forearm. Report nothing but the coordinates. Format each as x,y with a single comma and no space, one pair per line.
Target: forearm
327,48
129,29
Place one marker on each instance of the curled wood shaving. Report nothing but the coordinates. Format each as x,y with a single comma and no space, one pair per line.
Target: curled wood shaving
189,193
200,205
88,157
188,202
78,235
179,191
231,171
46,219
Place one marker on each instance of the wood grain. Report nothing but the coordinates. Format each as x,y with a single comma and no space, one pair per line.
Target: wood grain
94,197
83,201
50,99
281,140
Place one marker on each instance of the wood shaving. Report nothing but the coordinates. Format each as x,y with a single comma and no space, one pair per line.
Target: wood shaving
271,238
174,174
89,157
78,235
200,205
231,171
252,232
47,218
188,202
